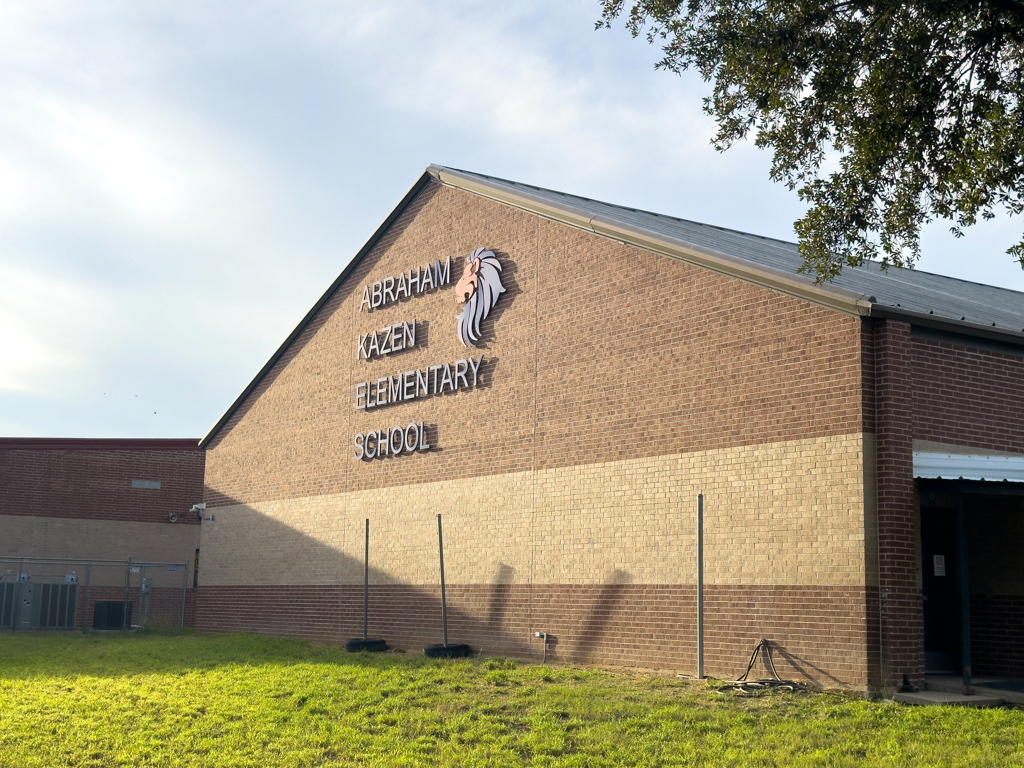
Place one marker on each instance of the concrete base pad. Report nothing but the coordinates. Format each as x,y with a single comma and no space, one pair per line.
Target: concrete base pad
935,698
1003,688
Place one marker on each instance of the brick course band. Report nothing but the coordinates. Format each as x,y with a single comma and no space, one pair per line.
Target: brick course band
85,539
818,633
766,521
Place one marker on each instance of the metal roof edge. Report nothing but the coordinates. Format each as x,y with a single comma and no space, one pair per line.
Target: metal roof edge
798,286
947,466
565,213
963,327
100,443
397,211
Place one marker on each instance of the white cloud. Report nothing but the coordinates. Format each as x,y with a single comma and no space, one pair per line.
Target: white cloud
43,339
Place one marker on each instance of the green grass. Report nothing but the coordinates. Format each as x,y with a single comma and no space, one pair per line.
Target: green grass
241,700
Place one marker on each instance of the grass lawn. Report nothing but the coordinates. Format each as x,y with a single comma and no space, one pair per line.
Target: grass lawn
242,700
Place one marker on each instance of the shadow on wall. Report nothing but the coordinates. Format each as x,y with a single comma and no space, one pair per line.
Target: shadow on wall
406,615
615,622
593,623
500,596
601,616
805,669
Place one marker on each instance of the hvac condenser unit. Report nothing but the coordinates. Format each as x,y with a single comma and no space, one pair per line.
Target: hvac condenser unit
31,605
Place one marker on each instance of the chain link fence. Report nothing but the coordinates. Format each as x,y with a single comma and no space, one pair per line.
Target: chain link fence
39,594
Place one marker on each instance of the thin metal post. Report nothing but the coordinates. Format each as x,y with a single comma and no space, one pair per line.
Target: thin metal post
124,605
184,591
17,596
700,586
444,604
85,610
965,598
366,580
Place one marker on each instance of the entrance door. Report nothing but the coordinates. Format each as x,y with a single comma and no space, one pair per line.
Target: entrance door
940,547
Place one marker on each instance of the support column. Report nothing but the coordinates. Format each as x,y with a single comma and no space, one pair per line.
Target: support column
901,618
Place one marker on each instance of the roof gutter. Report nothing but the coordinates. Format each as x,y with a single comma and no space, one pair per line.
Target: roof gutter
840,299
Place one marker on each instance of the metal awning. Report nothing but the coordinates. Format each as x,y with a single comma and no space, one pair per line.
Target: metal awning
956,466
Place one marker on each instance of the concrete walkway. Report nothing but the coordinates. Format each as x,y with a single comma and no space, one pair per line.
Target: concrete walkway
1010,691
936,698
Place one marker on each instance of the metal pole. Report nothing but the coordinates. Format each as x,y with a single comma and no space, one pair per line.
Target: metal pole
444,604
366,579
184,590
700,586
965,598
17,596
124,605
85,611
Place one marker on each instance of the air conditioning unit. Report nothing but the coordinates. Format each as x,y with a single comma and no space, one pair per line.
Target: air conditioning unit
34,605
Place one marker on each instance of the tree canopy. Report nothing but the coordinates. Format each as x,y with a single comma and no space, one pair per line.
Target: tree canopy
883,116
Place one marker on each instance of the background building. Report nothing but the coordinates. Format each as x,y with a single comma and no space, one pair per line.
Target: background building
633,362
109,500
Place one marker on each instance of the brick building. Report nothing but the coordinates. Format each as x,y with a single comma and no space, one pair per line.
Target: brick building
107,500
632,362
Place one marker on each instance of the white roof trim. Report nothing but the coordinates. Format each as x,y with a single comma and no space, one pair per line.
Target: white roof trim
953,466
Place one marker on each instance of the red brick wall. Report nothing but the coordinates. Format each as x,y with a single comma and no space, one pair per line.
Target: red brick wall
967,396
93,479
164,605
997,635
900,612
599,352
932,390
972,397
818,633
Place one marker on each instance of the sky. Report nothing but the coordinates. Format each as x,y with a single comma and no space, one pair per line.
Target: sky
180,181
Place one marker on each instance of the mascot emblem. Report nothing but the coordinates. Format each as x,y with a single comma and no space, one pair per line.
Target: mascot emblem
479,289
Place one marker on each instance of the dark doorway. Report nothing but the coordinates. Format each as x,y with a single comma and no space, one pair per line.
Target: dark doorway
993,525
940,547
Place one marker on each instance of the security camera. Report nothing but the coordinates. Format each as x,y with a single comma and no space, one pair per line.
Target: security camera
198,508
172,517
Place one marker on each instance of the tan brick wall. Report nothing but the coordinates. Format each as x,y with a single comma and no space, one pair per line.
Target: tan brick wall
39,537
782,513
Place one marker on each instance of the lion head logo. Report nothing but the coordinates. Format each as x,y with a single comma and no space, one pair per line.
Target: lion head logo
479,288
